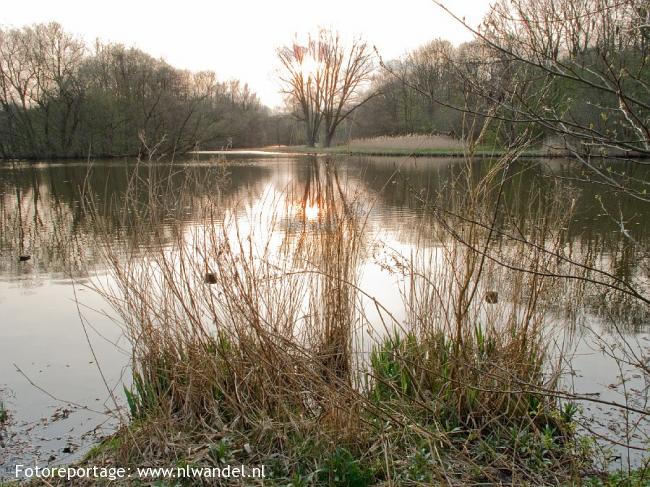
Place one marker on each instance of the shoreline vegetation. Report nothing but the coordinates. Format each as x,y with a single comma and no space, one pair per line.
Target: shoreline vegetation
251,355
436,145
251,351
413,145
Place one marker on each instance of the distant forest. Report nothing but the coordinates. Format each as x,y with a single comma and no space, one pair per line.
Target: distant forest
531,73
60,98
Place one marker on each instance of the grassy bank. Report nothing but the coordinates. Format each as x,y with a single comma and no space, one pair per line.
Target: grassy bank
402,152
413,145
416,145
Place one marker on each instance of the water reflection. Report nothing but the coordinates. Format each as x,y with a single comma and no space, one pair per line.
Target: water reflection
376,204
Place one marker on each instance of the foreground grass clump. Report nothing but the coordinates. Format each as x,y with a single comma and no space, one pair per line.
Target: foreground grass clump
414,423
253,349
636,478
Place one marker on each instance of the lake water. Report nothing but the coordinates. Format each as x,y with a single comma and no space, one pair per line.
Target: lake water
62,348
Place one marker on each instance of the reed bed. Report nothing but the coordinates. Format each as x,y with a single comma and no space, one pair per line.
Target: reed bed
410,142
251,345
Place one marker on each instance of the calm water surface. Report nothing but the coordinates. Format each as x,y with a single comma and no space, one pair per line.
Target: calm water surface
56,334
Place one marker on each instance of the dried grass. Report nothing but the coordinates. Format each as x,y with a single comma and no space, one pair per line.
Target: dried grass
409,142
238,335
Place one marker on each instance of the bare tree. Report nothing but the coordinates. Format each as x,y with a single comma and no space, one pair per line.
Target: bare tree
39,88
578,70
323,80
346,72
59,98
303,85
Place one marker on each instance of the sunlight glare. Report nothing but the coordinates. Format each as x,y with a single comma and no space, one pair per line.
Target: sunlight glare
311,211
309,67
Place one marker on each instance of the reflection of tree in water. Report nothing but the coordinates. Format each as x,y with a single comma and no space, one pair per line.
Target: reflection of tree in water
39,218
326,231
606,230
43,210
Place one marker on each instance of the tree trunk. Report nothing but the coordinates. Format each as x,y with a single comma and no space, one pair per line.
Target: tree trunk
328,138
312,135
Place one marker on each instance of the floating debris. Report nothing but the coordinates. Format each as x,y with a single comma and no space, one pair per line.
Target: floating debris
492,297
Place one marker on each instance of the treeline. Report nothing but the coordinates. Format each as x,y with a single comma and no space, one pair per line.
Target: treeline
570,74
546,68
60,98
404,105
438,88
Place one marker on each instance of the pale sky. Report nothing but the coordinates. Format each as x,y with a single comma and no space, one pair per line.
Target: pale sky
237,38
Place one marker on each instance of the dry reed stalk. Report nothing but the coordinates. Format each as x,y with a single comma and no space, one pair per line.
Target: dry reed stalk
237,333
